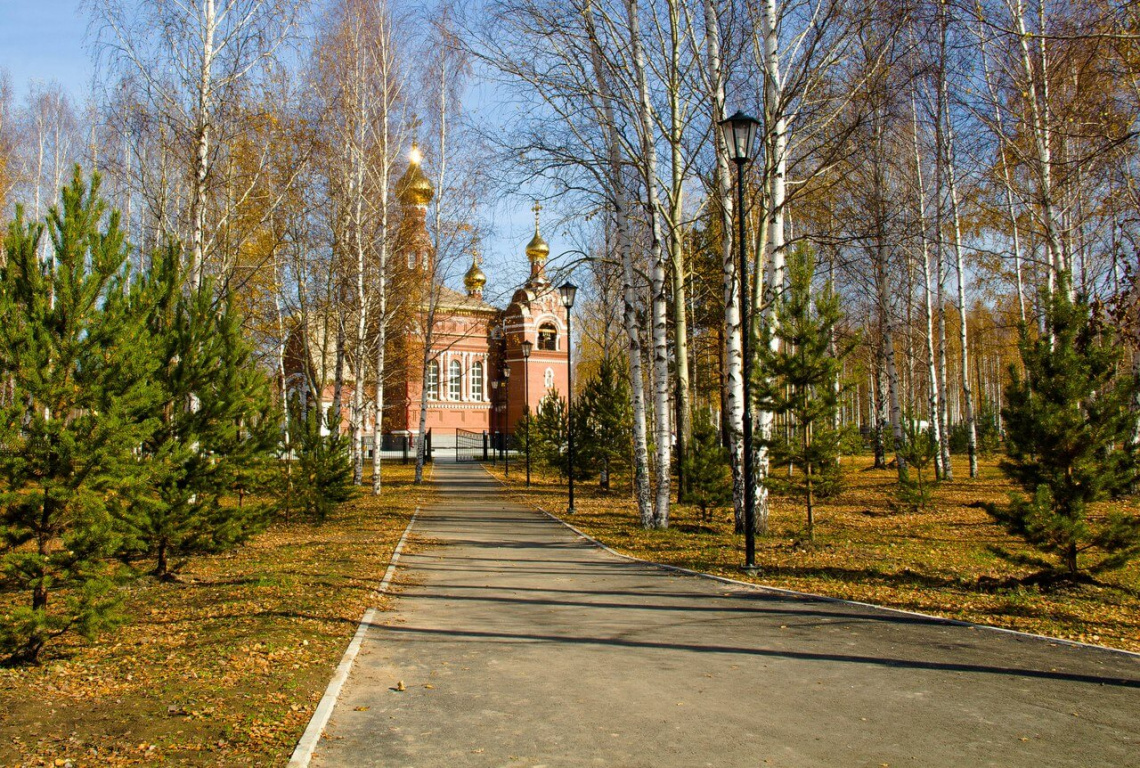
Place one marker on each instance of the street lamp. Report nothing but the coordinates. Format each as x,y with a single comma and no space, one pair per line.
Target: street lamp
507,401
495,421
739,133
525,346
568,290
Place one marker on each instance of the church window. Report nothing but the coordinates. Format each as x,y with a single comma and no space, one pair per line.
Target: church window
547,337
455,381
433,380
411,259
548,378
477,382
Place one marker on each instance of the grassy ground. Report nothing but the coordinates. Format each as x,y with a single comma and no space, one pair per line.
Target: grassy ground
224,667
941,561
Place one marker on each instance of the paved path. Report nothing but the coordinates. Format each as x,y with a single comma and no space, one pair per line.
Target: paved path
519,644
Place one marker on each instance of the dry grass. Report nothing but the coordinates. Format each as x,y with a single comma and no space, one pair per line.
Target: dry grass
224,667
941,561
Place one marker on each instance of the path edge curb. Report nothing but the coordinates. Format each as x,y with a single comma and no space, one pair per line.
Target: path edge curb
307,745
751,585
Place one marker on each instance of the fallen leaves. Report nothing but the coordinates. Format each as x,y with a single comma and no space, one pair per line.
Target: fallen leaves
945,561
222,668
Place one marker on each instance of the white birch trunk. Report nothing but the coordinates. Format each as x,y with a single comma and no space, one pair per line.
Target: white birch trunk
774,272
963,310
1038,98
722,191
629,277
675,221
202,145
360,341
886,296
928,299
661,410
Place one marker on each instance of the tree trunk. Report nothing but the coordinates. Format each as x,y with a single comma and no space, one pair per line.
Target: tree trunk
723,206
676,241
940,272
963,310
1038,97
614,170
886,294
202,146
882,419
334,416
776,122
663,437
932,361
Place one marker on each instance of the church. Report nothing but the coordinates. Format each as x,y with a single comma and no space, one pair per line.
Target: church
478,378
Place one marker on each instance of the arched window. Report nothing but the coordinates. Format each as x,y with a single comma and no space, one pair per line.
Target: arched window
455,381
433,380
477,382
547,337
548,378
411,259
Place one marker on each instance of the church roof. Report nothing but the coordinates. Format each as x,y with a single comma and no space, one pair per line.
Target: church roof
449,299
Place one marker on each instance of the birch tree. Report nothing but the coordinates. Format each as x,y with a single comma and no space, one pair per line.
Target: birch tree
362,86
715,78
194,60
648,167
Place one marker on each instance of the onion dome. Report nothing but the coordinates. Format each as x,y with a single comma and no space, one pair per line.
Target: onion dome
474,280
537,250
413,188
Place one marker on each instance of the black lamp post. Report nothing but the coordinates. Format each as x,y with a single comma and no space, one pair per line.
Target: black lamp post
525,347
739,133
494,421
568,290
507,415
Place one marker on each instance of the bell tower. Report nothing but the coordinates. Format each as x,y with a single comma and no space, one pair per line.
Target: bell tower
414,192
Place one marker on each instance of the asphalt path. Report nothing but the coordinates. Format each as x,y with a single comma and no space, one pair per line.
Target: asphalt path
517,643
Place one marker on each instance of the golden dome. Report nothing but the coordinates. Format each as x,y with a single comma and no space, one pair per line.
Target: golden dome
413,188
474,279
537,249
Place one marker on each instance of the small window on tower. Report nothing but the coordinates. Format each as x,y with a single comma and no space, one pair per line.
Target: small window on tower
411,260
548,379
547,337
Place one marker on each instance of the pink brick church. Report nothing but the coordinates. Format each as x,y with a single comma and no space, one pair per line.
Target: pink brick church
474,343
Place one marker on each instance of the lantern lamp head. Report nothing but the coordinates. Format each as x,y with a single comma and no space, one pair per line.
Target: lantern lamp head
568,290
739,132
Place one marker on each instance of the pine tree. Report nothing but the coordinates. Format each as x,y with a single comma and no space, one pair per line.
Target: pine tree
76,403
919,449
708,468
213,425
1067,435
549,431
796,382
605,435
322,476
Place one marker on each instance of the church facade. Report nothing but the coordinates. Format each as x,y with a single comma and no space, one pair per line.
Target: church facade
477,378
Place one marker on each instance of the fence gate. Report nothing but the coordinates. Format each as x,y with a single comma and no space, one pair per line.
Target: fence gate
472,446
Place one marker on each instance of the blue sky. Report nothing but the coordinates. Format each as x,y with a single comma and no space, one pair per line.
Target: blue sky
44,40
47,40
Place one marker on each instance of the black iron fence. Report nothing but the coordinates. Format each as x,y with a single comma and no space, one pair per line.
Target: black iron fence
492,447
401,448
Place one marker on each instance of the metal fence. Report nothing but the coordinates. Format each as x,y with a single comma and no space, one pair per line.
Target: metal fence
491,447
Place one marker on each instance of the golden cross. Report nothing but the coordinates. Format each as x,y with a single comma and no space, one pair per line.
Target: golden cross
537,208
